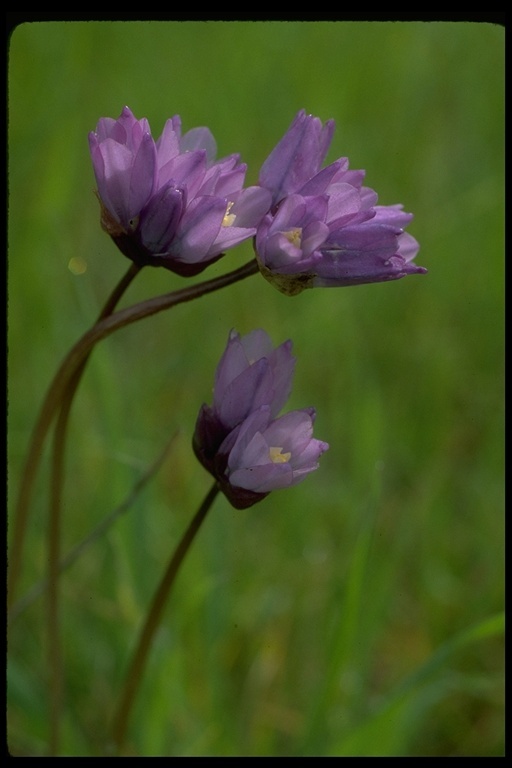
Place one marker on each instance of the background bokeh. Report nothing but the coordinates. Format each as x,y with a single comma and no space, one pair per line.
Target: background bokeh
356,613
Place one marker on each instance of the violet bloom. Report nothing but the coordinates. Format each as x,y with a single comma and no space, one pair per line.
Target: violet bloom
325,228
168,202
240,440
251,373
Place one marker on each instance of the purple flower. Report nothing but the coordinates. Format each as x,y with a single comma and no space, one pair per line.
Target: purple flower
250,374
325,228
168,202
240,440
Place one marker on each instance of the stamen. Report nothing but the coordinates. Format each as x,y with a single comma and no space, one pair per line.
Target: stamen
277,456
294,236
229,218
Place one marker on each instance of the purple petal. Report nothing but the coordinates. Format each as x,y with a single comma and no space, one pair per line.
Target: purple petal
233,361
408,247
250,390
185,170
361,240
324,178
250,206
344,201
291,431
264,478
225,178
143,175
168,145
112,164
297,157
357,270
198,228
199,138
282,363
255,423
228,237
313,236
160,218
393,215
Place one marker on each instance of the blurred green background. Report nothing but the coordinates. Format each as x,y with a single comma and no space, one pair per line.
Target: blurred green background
356,613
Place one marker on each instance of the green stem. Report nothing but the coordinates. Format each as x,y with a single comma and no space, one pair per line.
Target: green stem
153,619
56,685
63,377
55,679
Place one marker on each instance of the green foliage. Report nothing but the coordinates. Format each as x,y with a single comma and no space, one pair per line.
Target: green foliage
354,614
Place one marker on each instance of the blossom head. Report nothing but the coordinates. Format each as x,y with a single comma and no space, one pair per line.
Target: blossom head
169,202
325,228
251,373
240,440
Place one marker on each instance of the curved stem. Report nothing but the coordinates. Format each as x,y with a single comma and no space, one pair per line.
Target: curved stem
153,619
35,449
67,370
118,291
56,688
55,678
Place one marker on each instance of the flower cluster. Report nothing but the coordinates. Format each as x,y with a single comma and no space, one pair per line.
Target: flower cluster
240,439
168,202
324,227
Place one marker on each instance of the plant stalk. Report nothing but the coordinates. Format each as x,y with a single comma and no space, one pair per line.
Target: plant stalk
152,621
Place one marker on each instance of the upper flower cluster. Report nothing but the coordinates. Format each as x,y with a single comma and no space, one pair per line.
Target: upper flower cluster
168,202
241,440
324,227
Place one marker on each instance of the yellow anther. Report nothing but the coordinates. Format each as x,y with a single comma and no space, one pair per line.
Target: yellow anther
294,236
277,456
229,218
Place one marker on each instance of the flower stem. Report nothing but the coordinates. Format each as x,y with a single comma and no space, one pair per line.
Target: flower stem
55,677
56,685
62,380
153,619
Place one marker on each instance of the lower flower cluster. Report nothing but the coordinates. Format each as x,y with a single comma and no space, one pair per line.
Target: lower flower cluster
240,439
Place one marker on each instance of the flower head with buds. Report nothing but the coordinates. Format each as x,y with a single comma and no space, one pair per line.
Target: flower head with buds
241,440
324,227
168,202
